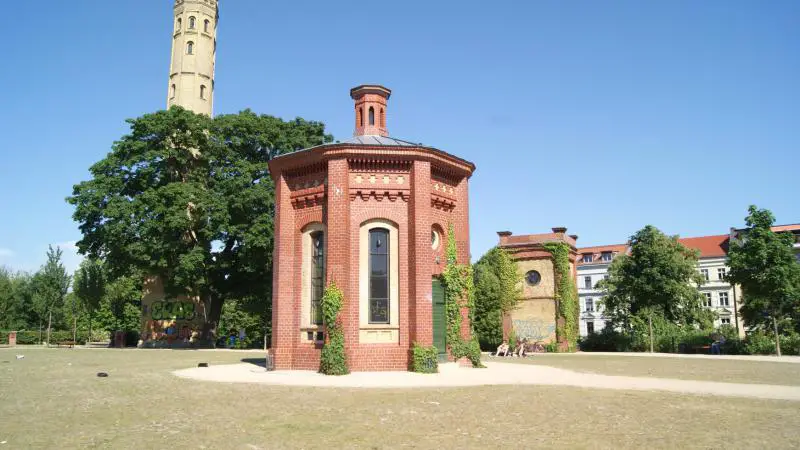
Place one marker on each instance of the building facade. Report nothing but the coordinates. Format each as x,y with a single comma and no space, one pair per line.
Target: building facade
536,314
592,266
718,294
370,214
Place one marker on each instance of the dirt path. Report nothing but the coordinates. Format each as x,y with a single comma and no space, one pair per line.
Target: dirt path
496,373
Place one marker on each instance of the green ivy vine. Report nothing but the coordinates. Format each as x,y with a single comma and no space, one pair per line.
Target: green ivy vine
459,293
566,296
333,360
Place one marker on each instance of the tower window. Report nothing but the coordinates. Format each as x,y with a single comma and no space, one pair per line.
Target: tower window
379,275
172,91
190,48
192,20
317,275
178,24
202,91
383,119
206,23
361,117
371,115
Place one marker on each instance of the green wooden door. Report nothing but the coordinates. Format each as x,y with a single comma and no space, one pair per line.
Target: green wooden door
439,319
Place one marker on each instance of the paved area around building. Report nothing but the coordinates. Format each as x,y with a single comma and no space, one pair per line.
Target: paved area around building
496,373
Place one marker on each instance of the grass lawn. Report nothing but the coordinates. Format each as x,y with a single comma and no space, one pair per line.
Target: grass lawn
706,369
53,399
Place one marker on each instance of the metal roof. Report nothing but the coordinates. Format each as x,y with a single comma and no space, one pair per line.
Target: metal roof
368,139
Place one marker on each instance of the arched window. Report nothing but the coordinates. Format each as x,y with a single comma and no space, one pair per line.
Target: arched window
317,275
361,117
190,48
202,91
371,115
172,91
383,119
191,22
378,275
206,23
178,24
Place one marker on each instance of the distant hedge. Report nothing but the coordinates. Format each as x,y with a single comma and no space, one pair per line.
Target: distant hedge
27,337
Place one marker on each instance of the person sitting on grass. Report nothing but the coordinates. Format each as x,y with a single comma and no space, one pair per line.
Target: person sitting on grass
502,350
519,350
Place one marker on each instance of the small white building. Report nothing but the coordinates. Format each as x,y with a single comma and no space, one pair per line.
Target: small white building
593,264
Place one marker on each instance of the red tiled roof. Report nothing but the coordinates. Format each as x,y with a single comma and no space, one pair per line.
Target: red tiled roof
597,252
709,246
791,227
541,238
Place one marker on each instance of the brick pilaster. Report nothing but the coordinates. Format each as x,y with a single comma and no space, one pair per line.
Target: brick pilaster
285,331
420,255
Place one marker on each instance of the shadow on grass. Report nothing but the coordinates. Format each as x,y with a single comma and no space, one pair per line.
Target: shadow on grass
260,362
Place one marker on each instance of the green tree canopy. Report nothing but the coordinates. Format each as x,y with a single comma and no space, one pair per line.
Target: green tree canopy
50,285
764,264
189,198
658,277
497,291
90,286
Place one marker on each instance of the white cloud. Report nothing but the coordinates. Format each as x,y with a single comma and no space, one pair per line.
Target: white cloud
6,253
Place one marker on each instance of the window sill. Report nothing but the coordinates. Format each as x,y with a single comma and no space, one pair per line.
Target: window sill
379,326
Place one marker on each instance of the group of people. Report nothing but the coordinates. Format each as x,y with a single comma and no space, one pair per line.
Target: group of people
522,348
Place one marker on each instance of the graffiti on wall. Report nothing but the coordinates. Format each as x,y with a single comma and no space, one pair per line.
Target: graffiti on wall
172,322
534,329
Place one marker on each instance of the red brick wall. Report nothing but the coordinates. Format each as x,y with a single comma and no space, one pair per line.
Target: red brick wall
343,215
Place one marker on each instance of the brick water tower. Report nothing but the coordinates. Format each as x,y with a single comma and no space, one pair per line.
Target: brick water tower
370,213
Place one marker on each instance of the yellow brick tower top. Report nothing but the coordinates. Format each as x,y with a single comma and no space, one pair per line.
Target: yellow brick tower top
194,49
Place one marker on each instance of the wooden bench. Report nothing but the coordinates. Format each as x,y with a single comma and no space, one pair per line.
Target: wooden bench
704,349
69,344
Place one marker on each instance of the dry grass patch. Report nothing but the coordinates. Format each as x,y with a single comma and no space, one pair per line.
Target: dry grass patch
47,403
706,369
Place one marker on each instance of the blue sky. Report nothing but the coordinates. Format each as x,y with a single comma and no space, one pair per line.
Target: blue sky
598,116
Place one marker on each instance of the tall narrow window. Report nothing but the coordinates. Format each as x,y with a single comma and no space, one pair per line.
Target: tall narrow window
589,305
371,115
191,22
178,24
172,91
587,282
361,117
202,91
383,119
206,25
379,275
190,48
590,327
704,273
317,275
707,299
723,299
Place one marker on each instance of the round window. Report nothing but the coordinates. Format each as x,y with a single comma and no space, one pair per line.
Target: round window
533,278
435,239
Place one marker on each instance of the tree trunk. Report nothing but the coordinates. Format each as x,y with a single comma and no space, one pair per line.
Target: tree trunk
89,339
777,336
650,323
213,313
49,323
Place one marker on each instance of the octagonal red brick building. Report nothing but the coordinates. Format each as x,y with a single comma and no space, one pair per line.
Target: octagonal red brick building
371,214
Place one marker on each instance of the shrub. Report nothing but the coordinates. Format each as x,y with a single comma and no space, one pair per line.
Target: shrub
551,347
758,343
333,360
424,359
607,340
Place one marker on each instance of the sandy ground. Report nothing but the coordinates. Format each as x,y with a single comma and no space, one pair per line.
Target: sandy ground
450,375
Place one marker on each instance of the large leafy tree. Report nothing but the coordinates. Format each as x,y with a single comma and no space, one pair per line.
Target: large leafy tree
764,264
189,198
658,277
497,291
90,287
